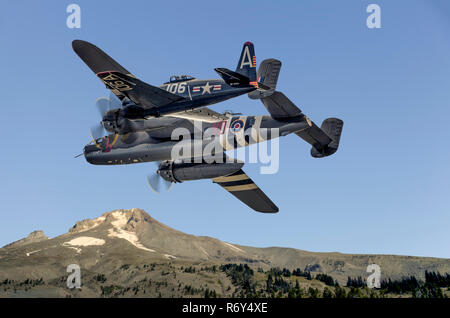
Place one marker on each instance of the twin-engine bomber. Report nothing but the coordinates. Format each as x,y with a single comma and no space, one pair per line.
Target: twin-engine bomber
141,121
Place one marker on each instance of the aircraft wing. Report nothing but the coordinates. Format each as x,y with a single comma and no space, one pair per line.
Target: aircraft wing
204,114
119,80
142,94
243,188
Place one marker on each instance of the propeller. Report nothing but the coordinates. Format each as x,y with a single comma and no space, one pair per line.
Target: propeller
156,182
114,101
103,105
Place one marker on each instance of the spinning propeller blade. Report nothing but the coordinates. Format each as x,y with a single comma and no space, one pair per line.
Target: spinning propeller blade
97,131
104,104
155,181
114,101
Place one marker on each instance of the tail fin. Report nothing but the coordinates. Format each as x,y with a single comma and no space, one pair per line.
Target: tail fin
333,128
268,72
324,140
247,62
233,78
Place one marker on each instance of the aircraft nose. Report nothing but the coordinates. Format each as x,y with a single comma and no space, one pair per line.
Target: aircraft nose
89,152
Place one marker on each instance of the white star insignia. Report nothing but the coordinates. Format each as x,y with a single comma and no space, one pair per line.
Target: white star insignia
206,88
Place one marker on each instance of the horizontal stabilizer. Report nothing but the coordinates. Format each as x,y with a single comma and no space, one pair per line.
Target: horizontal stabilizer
268,72
244,189
324,140
232,78
262,87
280,107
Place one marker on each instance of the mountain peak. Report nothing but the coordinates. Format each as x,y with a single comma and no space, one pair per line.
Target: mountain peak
33,237
133,220
127,219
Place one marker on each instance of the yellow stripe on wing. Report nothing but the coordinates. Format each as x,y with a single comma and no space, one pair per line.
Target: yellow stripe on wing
243,187
231,178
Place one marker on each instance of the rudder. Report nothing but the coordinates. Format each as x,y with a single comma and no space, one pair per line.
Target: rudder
333,128
268,72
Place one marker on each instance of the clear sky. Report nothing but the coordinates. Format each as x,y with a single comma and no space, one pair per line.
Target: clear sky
387,189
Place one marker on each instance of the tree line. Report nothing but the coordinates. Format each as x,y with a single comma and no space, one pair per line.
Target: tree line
279,283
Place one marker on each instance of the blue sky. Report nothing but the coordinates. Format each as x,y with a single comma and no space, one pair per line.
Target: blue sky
385,191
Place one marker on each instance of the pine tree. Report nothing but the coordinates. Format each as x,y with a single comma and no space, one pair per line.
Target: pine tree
327,293
269,284
340,292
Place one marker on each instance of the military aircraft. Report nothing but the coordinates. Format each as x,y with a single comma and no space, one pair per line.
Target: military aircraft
155,137
180,93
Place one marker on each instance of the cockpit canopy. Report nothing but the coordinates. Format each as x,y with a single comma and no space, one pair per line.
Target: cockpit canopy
180,78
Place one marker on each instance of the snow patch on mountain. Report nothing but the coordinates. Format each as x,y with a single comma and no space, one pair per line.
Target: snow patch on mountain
77,249
85,241
121,221
234,248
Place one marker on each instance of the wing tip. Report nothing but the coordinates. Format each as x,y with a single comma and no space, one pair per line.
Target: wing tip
78,44
272,210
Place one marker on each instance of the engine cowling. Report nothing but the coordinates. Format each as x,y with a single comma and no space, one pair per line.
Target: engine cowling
110,122
126,120
179,172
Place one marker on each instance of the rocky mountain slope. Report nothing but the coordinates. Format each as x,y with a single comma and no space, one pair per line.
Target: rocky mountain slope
33,237
133,250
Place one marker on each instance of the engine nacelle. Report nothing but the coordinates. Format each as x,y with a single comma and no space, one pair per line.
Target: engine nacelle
179,172
109,120
128,119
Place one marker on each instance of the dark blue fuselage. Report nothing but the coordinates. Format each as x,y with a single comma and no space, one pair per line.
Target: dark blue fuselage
199,93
